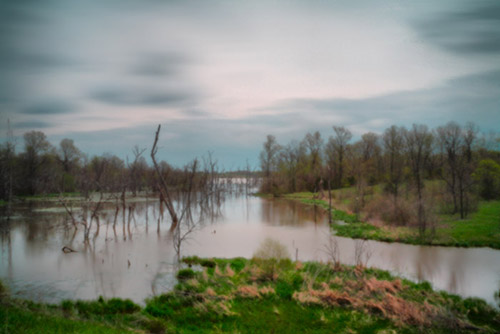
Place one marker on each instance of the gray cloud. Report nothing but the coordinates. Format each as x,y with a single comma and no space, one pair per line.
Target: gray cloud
30,125
473,30
467,98
134,97
160,64
49,108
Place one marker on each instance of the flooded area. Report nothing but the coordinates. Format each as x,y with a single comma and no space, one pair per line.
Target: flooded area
136,260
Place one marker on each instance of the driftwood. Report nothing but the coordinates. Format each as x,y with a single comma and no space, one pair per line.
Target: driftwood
67,250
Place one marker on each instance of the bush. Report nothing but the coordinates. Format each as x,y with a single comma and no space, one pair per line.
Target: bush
487,175
238,264
284,289
4,292
272,249
185,274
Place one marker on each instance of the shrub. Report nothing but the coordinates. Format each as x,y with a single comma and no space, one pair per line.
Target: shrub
272,249
284,289
487,175
238,264
4,292
185,274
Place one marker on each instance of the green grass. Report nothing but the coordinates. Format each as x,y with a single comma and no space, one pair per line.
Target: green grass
19,317
264,296
3,203
480,229
247,299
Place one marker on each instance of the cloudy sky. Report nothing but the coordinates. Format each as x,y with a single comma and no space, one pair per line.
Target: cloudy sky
221,75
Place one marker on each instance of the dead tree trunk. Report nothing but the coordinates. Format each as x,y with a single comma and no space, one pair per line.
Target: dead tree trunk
163,184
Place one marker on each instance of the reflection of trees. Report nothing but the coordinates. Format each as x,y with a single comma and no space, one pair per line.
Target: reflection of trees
289,213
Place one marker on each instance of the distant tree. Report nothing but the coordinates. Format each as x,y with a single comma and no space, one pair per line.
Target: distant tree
291,157
487,176
336,148
371,156
36,148
418,145
7,166
394,155
69,157
268,161
456,147
137,170
313,143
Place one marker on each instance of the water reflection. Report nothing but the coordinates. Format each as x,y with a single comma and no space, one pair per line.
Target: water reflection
132,254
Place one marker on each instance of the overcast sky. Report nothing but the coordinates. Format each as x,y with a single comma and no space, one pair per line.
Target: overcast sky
221,75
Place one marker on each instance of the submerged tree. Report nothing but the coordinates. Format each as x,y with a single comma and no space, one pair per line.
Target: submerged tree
162,183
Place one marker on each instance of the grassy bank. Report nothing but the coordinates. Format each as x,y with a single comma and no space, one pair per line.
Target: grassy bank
265,296
480,229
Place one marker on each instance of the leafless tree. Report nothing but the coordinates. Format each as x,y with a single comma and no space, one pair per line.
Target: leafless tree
362,253
337,147
332,250
162,184
418,145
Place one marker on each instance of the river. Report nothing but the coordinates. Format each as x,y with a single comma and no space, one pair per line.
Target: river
137,261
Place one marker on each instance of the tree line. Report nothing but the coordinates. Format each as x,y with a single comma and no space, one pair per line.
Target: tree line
41,168
464,163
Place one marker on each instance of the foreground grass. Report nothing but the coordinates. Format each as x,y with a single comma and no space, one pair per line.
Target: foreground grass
480,229
269,296
264,296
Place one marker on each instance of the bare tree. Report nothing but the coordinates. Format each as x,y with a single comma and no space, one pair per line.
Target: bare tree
314,145
456,146
162,186
394,150
137,170
418,144
332,250
268,160
7,161
337,147
36,147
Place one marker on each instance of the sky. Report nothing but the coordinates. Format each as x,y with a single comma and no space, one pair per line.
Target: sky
221,75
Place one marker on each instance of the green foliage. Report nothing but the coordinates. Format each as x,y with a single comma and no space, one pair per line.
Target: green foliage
272,249
103,307
284,289
238,264
487,175
184,274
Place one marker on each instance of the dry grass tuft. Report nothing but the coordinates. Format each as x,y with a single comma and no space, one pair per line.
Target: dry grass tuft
374,285
204,275
337,280
210,292
193,282
298,265
248,291
403,311
304,297
266,290
229,271
255,273
326,297
217,271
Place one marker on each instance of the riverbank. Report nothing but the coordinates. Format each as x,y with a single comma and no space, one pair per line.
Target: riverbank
254,296
480,229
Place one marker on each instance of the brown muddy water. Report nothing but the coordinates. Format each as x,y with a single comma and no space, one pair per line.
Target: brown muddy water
137,261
